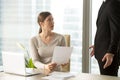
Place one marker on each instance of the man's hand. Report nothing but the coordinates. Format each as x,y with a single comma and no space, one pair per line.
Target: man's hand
92,52
108,57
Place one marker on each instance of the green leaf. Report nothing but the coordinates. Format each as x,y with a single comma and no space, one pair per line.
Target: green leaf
28,60
30,64
21,46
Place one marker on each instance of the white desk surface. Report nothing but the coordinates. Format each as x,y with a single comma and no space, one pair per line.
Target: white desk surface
88,76
7,76
81,76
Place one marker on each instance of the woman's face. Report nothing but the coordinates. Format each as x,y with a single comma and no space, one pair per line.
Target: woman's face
48,23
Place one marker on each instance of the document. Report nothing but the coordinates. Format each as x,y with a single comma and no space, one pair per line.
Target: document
58,76
61,55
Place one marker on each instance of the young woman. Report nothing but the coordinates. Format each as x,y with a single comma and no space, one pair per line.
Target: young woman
43,44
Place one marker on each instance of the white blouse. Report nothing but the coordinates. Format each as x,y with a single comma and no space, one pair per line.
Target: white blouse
42,53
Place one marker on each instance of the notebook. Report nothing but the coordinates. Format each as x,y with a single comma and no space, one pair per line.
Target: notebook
15,63
62,54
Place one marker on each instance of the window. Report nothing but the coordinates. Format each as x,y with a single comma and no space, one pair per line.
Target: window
68,20
95,7
18,23
0,34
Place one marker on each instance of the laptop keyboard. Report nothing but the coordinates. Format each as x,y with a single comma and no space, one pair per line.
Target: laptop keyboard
31,71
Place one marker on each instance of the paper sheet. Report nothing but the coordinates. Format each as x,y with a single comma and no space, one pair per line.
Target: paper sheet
61,55
58,76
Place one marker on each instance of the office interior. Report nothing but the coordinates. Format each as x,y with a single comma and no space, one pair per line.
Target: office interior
18,23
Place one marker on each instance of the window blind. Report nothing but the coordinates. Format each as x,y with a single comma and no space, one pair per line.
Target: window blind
15,24
0,34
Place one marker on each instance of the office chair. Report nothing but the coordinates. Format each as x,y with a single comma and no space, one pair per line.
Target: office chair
66,68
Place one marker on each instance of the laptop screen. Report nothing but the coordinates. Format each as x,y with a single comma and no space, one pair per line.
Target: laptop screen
13,62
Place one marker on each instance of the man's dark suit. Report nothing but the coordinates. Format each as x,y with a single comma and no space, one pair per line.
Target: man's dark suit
108,35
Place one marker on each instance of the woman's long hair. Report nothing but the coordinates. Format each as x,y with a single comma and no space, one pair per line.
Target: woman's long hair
41,17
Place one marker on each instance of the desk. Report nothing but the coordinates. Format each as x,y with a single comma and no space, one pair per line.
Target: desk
6,76
81,76
87,76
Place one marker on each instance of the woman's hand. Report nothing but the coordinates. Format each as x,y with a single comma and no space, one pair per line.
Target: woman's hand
49,68
92,52
64,64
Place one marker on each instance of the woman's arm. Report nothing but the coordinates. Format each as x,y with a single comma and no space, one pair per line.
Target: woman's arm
35,54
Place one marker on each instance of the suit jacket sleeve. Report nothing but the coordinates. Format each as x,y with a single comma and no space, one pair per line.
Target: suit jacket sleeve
114,23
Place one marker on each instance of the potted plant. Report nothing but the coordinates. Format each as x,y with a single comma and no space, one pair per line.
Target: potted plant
28,60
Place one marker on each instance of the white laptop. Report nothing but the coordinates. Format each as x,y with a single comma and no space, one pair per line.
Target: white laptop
15,63
62,54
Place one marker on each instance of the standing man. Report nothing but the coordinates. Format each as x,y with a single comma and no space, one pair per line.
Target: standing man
107,37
